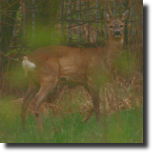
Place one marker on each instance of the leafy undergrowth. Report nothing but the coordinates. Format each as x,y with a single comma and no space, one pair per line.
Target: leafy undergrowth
68,128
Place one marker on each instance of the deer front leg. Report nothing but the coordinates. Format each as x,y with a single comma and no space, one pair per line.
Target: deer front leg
94,92
89,115
91,110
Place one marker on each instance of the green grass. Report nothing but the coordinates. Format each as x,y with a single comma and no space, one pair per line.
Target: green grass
68,128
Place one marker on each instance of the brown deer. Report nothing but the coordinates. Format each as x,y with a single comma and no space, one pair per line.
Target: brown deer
48,66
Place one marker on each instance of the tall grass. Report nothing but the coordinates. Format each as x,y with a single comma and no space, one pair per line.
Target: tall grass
67,127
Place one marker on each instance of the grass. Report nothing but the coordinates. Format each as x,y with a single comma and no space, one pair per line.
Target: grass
68,128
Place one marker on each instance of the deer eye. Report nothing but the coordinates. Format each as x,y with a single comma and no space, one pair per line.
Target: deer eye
111,26
121,26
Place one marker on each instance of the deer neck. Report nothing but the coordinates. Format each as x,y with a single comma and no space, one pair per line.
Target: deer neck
113,49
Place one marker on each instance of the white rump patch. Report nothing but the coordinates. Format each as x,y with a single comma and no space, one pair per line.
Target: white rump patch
26,64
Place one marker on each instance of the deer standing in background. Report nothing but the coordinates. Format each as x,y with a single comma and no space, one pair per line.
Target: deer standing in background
48,65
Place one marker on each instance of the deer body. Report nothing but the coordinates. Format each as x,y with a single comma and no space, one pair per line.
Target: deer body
48,65
65,62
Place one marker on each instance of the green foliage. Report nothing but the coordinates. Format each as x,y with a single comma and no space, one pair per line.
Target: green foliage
68,128
127,63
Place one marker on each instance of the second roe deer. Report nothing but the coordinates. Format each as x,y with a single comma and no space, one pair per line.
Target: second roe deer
48,65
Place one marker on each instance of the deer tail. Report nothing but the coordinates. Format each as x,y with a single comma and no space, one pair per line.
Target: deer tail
27,65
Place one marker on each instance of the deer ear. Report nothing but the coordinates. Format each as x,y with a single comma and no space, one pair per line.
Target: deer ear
125,15
106,16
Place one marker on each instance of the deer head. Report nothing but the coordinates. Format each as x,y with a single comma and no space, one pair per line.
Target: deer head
116,25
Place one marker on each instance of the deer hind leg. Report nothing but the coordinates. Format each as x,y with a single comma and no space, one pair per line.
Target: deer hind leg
44,90
96,102
27,99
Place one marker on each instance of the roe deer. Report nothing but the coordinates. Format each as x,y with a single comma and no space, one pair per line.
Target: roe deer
48,65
